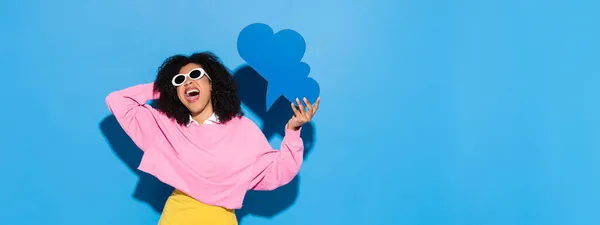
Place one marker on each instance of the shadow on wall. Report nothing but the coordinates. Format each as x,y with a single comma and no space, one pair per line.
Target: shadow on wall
149,189
252,90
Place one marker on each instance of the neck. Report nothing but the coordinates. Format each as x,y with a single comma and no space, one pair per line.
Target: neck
204,114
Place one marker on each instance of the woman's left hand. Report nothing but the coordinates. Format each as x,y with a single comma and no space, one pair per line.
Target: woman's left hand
302,115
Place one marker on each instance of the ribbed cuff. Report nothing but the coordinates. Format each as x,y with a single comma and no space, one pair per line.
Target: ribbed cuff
292,133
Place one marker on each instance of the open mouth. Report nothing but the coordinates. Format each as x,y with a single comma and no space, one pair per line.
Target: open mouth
192,95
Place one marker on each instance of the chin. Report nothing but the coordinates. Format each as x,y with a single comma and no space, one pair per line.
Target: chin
196,111
195,108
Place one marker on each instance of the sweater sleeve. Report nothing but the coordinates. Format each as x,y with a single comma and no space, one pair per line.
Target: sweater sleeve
275,168
138,119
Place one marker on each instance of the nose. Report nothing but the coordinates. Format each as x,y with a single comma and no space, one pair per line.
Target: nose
187,82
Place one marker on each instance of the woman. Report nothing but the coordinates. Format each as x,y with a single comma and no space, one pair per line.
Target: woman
198,141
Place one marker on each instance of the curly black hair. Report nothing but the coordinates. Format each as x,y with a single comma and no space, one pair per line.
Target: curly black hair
224,95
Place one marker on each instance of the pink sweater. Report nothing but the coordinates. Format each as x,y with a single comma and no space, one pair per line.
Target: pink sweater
214,163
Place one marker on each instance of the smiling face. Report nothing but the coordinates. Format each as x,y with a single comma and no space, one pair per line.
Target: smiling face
194,91
197,85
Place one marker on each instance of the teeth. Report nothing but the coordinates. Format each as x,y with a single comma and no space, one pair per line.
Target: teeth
192,91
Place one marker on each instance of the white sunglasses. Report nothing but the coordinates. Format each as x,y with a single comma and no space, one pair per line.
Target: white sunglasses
194,74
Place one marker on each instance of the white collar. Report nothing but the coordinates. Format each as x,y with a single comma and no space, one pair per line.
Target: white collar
212,119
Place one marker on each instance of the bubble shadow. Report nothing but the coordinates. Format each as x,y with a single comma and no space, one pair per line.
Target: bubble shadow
148,189
253,90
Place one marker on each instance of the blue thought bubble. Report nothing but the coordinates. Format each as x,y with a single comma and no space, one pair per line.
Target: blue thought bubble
277,58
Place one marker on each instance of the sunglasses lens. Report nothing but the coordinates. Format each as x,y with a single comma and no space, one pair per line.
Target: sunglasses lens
179,79
195,74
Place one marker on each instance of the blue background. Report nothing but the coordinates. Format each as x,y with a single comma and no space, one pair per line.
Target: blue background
433,112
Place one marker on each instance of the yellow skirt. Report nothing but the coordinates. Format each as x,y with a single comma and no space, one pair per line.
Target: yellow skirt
182,209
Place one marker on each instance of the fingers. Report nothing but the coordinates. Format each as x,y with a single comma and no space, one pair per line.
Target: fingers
296,113
301,106
316,106
302,114
310,108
